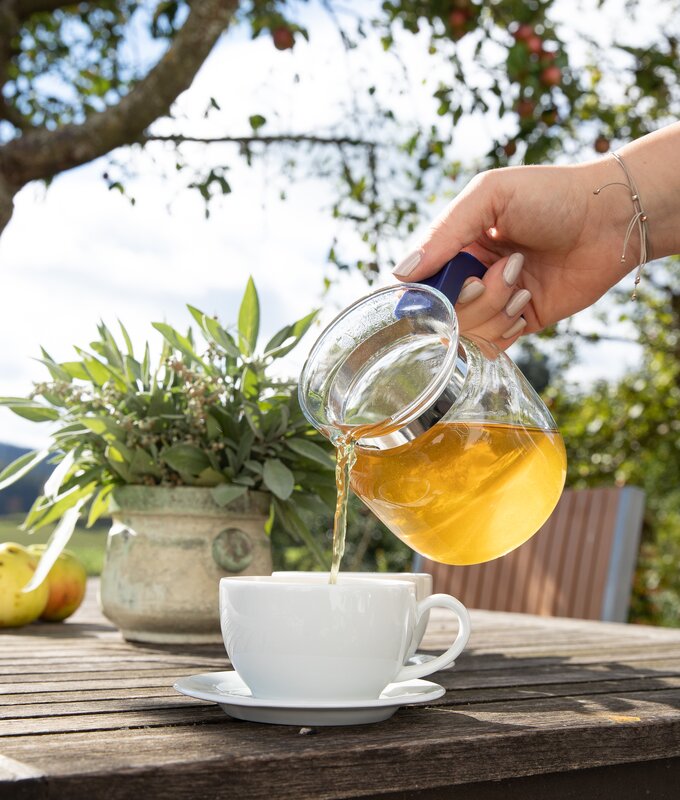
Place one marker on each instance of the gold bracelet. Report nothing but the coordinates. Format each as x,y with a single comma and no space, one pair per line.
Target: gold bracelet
639,218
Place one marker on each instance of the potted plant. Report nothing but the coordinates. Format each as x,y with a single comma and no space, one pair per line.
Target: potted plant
195,458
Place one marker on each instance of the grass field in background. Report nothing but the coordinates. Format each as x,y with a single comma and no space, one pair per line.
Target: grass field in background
87,544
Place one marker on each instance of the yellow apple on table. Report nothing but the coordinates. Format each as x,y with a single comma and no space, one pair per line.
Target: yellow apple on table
17,566
66,583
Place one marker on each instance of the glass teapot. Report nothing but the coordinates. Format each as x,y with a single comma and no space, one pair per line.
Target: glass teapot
455,452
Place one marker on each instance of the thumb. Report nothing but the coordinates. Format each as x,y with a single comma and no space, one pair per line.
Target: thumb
458,226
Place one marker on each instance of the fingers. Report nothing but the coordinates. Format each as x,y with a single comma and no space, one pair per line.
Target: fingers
470,215
475,307
492,308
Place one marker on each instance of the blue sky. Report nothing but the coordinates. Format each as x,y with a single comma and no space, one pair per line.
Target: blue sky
77,253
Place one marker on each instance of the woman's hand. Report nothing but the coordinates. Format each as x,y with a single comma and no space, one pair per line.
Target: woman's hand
552,246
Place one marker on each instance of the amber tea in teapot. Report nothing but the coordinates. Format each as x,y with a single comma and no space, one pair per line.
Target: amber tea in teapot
464,492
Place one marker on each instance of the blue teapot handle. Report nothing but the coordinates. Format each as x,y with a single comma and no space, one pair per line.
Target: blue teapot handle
451,277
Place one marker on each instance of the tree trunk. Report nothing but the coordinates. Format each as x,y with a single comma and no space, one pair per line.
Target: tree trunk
7,193
41,153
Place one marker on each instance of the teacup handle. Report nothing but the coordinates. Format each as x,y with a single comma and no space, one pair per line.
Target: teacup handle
445,659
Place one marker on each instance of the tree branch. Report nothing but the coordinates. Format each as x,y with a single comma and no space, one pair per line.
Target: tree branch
41,154
282,138
6,203
11,115
25,8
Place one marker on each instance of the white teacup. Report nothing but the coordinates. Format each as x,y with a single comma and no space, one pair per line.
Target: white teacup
311,641
422,582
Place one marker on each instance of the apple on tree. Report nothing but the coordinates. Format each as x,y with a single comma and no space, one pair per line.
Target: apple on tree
283,38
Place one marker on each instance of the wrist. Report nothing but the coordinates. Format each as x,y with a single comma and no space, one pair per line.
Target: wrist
609,213
654,163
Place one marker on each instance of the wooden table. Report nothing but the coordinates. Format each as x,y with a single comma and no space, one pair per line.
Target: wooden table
535,708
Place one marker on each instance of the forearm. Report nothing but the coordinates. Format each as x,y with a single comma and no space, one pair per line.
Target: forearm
654,163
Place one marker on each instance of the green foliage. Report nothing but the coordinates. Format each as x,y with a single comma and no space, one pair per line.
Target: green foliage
205,415
628,432
510,61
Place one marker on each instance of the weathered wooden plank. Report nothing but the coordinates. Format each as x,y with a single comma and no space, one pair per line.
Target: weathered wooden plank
458,696
44,699
658,779
162,678
158,716
39,669
418,748
92,707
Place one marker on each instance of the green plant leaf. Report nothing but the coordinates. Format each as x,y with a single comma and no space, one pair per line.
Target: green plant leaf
59,475
57,372
185,458
21,466
146,366
75,369
128,341
118,457
143,464
257,121
179,342
210,477
244,447
43,513
34,412
100,505
214,332
222,338
297,527
278,478
57,542
102,426
312,451
250,383
108,346
227,493
249,318
278,346
133,369
100,373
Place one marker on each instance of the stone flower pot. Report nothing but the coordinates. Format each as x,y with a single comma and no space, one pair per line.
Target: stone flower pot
165,554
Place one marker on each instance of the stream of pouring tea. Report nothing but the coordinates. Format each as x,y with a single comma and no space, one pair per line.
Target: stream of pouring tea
345,457
345,442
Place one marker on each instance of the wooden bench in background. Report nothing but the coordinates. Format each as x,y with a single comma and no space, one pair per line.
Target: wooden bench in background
580,564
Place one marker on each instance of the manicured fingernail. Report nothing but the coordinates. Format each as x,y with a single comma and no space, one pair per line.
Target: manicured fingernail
513,268
471,290
408,264
519,325
517,302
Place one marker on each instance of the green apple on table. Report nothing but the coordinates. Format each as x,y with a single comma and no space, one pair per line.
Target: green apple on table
17,566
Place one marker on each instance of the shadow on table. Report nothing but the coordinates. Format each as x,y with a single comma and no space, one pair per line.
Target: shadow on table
501,689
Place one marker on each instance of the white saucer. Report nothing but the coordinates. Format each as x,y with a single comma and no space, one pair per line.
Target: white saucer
230,692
